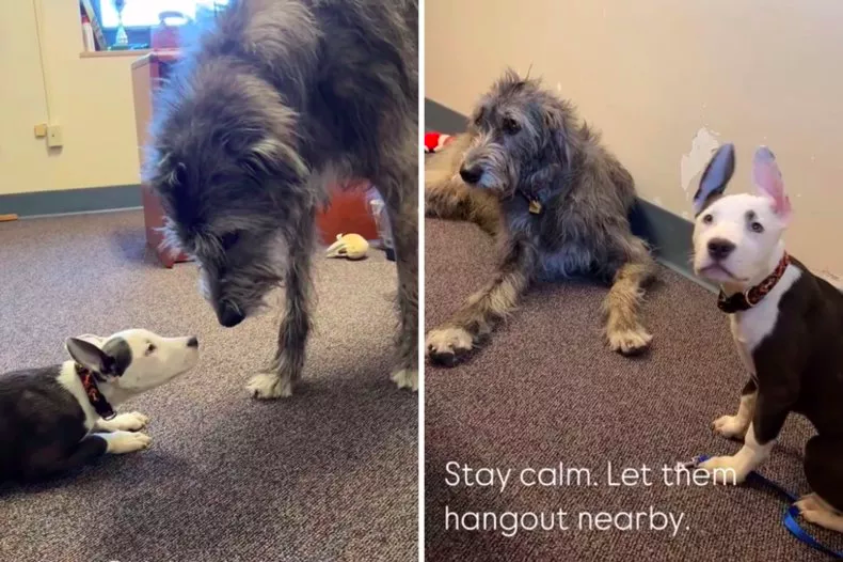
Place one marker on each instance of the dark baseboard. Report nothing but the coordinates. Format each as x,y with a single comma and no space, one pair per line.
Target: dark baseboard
667,233
95,199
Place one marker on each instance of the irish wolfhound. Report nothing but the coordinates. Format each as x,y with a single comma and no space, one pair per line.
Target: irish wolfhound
557,201
275,101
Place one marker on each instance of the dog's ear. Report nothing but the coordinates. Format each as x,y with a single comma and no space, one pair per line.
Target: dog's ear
269,155
92,338
556,119
768,179
89,356
715,177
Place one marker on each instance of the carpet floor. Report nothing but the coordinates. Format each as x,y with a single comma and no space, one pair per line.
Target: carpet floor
330,474
548,390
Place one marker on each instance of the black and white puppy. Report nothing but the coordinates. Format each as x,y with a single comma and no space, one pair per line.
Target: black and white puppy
59,418
787,325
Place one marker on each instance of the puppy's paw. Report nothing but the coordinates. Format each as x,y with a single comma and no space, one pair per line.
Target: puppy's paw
808,507
448,346
730,427
406,378
725,470
630,342
130,421
267,386
121,442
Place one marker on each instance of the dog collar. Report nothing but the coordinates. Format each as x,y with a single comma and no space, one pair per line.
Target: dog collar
534,201
746,300
93,393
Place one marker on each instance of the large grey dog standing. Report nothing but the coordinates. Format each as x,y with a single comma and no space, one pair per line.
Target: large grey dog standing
558,203
273,102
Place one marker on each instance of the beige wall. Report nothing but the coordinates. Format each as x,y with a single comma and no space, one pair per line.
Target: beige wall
92,101
651,73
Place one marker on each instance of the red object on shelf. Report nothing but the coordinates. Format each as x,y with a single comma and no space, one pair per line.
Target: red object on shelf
347,213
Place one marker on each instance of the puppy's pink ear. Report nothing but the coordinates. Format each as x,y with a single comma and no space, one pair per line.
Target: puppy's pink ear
768,180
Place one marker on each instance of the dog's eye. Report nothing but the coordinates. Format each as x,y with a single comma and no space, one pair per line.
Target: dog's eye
150,348
708,218
479,119
179,176
510,126
757,227
230,239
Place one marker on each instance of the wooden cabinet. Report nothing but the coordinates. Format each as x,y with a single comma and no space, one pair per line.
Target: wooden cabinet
348,211
148,73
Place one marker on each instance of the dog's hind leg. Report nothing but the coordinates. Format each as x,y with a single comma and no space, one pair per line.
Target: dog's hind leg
401,194
452,342
623,330
448,197
287,365
823,469
48,463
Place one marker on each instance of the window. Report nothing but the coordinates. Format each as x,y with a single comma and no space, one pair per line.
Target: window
144,13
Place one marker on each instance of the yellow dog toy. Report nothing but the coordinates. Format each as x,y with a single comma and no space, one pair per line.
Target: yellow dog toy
351,246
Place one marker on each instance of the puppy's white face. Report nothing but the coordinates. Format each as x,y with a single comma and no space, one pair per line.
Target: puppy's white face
154,359
737,237
135,360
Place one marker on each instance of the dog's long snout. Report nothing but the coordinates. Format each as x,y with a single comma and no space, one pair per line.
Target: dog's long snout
471,175
229,316
720,248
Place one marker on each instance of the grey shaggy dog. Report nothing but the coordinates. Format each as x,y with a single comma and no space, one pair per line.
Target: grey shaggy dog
274,102
558,203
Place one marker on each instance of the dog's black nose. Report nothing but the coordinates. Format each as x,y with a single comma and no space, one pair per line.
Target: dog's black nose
230,316
719,248
471,175
193,342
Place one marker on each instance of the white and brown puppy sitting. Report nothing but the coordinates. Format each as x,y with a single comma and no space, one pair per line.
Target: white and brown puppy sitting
58,418
787,324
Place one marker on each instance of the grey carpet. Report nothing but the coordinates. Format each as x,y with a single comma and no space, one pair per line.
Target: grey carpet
330,474
548,390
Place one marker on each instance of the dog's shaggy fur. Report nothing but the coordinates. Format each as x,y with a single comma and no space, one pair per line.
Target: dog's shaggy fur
274,102
525,148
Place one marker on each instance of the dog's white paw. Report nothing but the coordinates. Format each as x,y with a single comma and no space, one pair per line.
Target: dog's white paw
120,442
808,507
448,346
730,427
406,378
630,342
130,421
725,470
267,386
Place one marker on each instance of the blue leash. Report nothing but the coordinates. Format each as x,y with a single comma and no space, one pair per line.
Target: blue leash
790,514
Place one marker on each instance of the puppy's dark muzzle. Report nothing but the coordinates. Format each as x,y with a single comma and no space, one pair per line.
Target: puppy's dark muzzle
229,316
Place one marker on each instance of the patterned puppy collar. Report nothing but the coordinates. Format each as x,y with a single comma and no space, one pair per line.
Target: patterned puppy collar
746,300
92,391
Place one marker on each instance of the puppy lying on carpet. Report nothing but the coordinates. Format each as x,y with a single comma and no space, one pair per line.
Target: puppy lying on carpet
787,325
58,418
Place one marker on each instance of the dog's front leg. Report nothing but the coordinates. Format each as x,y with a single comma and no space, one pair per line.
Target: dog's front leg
129,421
732,427
771,411
623,330
287,365
452,342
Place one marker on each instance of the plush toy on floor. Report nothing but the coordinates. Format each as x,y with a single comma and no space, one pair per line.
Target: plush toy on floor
351,246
